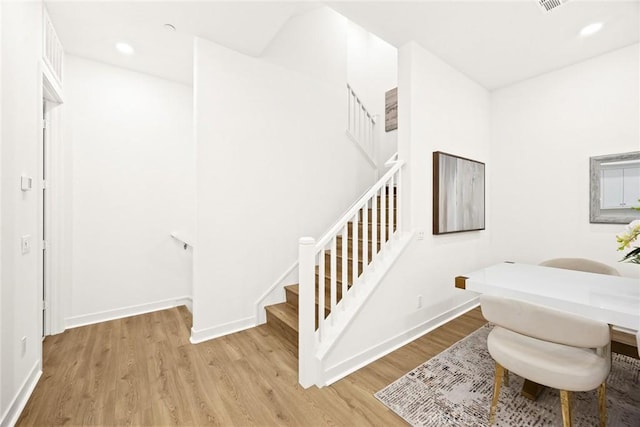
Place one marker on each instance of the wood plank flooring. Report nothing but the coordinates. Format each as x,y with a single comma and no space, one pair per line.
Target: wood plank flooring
142,370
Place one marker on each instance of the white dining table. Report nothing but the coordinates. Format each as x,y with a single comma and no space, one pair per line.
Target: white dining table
611,299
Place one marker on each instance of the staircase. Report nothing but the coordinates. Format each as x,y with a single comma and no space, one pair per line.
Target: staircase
283,317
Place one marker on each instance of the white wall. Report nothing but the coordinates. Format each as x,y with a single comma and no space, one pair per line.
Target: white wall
132,164
21,288
312,44
440,110
543,132
274,164
1,192
372,70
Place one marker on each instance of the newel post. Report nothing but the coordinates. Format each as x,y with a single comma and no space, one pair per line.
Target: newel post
307,368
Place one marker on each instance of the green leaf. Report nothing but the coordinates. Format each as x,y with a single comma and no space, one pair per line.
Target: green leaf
632,257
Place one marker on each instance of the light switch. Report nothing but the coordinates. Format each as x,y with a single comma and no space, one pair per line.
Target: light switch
25,244
26,183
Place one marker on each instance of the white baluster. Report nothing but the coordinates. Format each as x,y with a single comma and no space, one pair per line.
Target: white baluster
374,227
345,264
391,200
348,108
366,134
358,119
383,211
354,265
333,294
355,117
362,122
321,290
365,236
399,203
372,137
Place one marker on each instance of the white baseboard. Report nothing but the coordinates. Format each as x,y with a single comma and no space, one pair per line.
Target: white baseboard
119,313
198,336
11,415
346,367
188,303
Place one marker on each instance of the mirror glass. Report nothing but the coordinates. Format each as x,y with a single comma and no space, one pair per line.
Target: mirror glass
615,188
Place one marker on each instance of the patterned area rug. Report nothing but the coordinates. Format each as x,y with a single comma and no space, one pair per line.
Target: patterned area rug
454,389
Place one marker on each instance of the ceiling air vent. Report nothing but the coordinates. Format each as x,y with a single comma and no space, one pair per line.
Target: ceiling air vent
549,5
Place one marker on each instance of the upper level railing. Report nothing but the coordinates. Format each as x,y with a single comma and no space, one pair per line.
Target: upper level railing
361,125
52,52
335,266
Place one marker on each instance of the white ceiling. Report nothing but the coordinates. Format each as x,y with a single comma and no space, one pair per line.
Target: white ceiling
92,28
495,43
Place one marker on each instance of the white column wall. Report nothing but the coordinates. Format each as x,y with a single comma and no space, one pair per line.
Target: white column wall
440,110
1,192
543,132
273,165
21,275
130,150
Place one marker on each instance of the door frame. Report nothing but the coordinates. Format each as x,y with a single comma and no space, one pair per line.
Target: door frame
52,209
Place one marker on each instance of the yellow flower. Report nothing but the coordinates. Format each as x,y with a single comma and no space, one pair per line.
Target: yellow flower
629,236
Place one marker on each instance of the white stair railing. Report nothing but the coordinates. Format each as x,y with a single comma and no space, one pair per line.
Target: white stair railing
52,53
377,216
361,125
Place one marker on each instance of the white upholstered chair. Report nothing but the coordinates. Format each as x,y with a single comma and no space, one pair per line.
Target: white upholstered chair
581,264
620,341
551,347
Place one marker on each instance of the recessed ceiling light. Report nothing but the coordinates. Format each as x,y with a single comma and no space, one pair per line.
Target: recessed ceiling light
591,29
169,27
124,48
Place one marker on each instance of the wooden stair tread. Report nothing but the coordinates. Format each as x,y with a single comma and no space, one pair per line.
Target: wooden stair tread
339,269
327,280
283,319
327,254
369,226
295,289
286,313
349,259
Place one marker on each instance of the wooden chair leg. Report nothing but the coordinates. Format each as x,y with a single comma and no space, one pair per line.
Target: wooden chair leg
506,377
602,404
565,397
496,392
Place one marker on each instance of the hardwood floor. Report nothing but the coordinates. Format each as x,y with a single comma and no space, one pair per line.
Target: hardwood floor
142,370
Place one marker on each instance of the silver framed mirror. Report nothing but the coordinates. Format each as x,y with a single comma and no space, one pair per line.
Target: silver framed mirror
614,188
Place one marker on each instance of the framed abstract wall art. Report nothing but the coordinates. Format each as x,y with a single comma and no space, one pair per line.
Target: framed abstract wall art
458,194
391,110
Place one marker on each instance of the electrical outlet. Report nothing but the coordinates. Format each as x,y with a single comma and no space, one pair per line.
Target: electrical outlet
23,343
420,235
419,301
25,244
